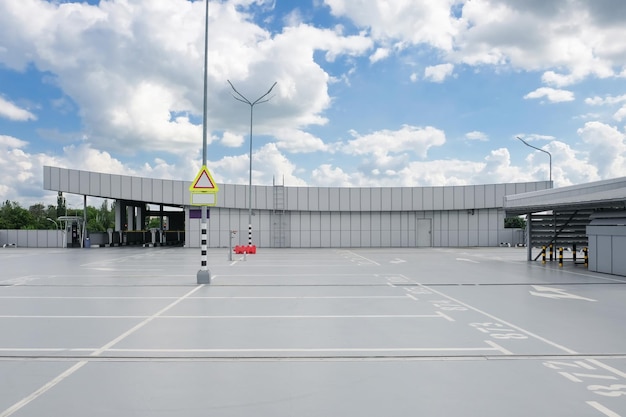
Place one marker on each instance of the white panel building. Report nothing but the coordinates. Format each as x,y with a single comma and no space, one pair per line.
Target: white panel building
312,217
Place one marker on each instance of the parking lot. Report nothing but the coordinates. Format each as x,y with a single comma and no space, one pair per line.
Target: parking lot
310,332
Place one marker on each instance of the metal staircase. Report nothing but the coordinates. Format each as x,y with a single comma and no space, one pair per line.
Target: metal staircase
560,229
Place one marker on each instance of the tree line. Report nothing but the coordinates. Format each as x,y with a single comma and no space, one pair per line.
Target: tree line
40,217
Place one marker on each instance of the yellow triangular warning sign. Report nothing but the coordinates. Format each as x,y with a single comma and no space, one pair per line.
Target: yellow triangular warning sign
204,182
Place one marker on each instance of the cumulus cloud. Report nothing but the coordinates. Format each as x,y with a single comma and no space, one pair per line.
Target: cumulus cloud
553,95
477,135
544,36
11,111
607,148
438,73
413,139
134,70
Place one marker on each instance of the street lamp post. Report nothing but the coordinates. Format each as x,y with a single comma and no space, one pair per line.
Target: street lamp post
541,150
243,99
204,275
56,225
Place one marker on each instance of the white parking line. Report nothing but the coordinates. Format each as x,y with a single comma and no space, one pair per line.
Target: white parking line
46,387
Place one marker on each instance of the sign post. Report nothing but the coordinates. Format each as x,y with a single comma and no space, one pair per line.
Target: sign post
203,191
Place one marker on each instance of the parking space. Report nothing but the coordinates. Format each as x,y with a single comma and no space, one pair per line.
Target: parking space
437,332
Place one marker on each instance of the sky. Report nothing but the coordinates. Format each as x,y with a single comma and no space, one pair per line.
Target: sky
372,93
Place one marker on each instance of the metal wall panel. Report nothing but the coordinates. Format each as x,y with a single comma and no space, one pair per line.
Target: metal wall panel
335,230
127,187
428,198
55,178
135,188
438,198
366,199
618,246
376,202
448,198
355,199
333,200
325,239
316,230
179,193
94,184
459,198
116,186
228,195
385,229
324,198
168,191
479,196
490,196
418,198
386,199
74,181
366,227
303,198
83,181
314,200
105,185
344,199
407,198
157,190
260,198
469,194
146,190
500,193
241,196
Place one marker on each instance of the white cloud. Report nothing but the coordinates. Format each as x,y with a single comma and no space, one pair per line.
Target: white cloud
134,70
297,141
231,140
416,23
536,35
553,95
477,135
11,111
607,148
379,54
620,114
438,73
608,100
413,139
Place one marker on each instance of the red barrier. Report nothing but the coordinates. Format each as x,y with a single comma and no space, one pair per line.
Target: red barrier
251,249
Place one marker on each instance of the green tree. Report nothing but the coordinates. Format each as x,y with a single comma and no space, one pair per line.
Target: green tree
13,216
514,223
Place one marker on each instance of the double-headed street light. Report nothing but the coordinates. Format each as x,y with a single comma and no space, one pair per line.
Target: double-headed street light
243,99
541,150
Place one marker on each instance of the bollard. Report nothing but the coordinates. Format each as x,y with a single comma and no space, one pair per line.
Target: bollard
560,257
551,253
543,255
586,255
574,254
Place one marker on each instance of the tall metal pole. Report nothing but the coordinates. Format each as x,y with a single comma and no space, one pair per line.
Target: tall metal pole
541,150
243,99
204,275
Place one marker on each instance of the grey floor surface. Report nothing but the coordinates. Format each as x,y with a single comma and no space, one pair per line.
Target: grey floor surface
312,332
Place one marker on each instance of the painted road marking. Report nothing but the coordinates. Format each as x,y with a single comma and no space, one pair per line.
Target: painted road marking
70,371
555,293
467,260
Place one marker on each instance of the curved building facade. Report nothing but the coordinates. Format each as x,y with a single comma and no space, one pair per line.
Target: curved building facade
310,217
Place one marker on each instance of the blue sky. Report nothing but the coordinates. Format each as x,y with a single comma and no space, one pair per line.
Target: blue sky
376,93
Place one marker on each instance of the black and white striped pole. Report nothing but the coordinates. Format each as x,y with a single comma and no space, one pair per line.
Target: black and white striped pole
204,275
243,99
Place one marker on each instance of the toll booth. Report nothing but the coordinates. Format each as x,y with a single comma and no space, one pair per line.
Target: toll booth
73,231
